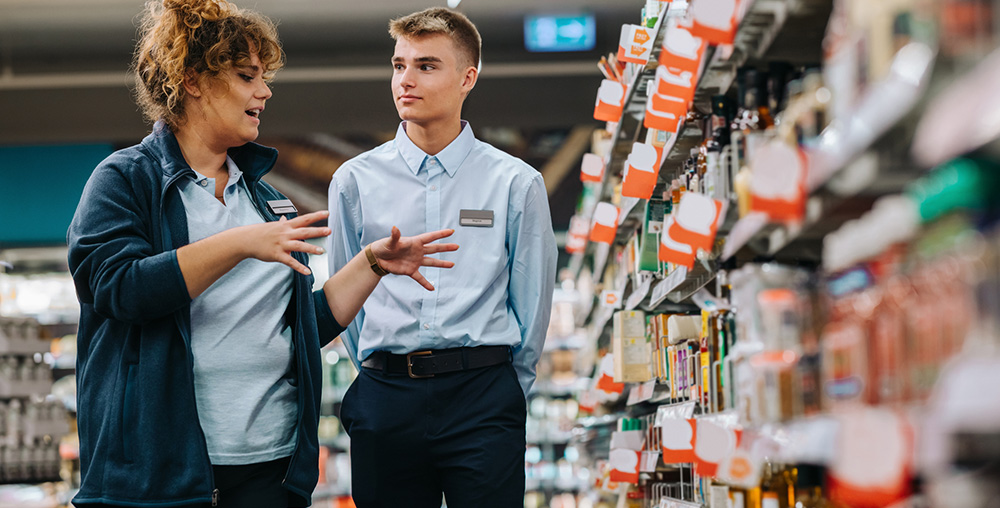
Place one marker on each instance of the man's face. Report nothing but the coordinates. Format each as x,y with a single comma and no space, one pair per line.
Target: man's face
430,79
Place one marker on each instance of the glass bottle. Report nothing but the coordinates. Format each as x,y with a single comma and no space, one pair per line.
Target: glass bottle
809,488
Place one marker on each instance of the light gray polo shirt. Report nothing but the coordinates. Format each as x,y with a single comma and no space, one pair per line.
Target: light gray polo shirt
243,373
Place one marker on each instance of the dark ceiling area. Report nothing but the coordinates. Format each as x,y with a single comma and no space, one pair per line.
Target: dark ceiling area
63,68
64,80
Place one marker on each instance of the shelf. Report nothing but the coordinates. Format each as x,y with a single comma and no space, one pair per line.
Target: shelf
843,175
628,128
955,122
761,26
669,502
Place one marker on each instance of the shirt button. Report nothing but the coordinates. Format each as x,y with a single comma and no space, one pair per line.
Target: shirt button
204,183
434,187
427,326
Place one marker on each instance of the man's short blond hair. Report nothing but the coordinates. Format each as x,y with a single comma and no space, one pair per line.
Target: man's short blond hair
438,20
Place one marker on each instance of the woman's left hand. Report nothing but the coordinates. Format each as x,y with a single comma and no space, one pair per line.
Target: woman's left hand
404,255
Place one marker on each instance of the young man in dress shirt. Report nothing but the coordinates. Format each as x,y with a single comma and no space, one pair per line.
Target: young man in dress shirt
439,405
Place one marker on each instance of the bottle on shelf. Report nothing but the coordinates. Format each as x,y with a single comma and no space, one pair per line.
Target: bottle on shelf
809,488
778,486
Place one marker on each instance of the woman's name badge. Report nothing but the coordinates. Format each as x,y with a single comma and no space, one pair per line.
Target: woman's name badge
281,206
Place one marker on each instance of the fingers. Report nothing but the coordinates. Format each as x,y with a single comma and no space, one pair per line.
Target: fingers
295,265
435,235
437,263
303,233
308,218
393,238
422,281
304,247
434,248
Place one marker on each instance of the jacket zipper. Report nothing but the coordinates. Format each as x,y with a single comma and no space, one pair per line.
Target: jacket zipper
204,441
268,217
266,214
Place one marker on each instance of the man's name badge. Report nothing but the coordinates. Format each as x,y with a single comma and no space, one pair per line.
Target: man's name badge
476,218
281,206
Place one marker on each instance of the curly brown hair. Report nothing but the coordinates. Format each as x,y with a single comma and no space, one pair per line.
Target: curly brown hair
208,36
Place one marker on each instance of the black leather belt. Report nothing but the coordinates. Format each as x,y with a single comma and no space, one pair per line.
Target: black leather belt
424,364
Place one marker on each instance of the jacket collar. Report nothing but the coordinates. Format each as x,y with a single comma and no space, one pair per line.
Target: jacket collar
253,159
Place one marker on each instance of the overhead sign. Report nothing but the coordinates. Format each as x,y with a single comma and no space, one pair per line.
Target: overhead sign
560,33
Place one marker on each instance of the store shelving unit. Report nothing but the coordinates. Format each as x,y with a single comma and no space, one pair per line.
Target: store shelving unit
869,152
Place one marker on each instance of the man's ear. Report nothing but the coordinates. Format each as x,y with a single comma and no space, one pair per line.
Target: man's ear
469,79
191,83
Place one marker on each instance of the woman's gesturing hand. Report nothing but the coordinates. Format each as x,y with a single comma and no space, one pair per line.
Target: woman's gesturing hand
404,255
275,241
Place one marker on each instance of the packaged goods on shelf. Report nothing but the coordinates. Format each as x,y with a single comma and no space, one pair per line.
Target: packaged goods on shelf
846,293
31,424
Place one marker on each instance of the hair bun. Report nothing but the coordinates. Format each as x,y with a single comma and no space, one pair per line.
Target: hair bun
194,10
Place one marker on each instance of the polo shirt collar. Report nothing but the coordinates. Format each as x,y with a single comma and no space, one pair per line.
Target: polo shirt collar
451,158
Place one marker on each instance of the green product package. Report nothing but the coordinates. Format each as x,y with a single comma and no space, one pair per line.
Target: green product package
649,241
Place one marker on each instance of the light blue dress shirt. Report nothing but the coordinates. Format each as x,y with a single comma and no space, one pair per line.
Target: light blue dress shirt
242,348
500,290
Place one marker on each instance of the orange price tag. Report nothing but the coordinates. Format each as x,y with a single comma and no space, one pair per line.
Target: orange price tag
610,101
641,170
715,20
605,223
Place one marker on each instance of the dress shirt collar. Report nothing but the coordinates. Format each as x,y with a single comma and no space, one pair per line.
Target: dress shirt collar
450,158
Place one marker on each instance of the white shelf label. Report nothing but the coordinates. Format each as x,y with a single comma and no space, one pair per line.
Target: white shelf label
649,461
661,290
639,294
742,232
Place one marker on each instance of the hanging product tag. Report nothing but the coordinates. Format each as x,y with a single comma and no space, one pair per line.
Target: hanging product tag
592,168
716,441
696,221
674,82
610,101
641,170
715,20
605,376
778,182
605,223
625,466
674,251
611,299
577,239
664,112
873,466
677,440
635,44
682,50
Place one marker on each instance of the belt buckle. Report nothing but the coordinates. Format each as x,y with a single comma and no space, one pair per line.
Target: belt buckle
409,364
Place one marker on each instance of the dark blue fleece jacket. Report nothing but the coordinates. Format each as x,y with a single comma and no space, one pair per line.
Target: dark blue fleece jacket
140,440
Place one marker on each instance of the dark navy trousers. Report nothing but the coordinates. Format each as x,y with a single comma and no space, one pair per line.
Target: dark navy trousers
460,434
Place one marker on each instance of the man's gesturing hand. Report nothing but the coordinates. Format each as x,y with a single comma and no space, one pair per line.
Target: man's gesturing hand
404,255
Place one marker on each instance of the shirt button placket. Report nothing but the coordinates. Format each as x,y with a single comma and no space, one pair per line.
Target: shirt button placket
432,222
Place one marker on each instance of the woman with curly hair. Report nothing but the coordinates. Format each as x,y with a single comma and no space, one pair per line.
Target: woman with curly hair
199,369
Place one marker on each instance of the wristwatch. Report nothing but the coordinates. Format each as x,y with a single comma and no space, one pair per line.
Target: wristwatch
373,261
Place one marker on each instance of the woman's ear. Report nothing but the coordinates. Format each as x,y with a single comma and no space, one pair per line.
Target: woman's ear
192,83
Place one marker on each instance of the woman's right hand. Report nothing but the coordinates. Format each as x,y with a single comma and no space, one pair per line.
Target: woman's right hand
275,241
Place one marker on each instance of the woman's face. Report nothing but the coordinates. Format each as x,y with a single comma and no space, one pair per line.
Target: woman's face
234,111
